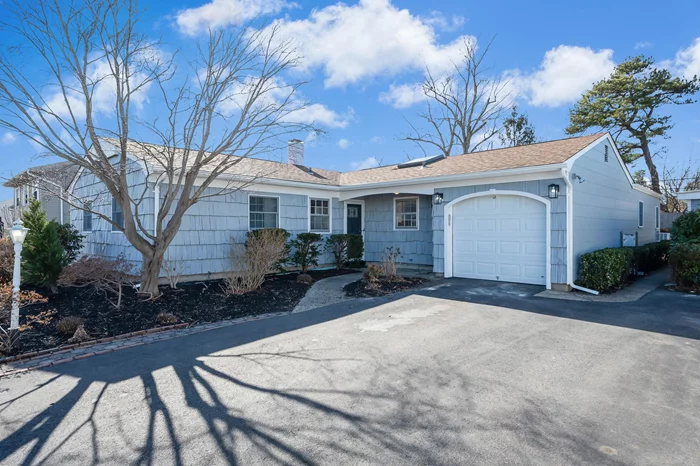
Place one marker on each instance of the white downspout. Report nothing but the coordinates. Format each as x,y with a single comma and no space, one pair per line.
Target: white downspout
570,235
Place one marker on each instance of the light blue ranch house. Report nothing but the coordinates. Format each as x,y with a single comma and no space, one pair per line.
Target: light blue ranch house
522,214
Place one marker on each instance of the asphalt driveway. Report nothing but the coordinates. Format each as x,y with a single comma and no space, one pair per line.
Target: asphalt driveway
463,373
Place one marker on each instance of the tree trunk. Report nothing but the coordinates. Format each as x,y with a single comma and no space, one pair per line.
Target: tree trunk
150,272
653,172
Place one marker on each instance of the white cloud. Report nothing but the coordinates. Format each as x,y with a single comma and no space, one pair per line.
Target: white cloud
642,45
277,92
344,143
369,39
377,140
370,162
311,137
687,61
8,138
403,95
321,115
103,86
565,73
438,20
221,13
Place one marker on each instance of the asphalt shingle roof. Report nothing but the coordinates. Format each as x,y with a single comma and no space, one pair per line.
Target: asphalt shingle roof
543,153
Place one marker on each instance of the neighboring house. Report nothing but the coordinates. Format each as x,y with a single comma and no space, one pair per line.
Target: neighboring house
7,216
692,198
44,183
523,214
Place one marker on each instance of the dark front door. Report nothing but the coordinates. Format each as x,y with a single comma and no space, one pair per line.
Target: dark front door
354,215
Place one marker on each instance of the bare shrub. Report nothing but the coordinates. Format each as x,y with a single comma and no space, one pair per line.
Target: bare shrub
69,324
7,259
372,275
389,267
8,340
79,335
173,270
107,276
166,318
250,262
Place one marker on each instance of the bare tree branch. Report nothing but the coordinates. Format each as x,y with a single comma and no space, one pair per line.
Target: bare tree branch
230,103
463,109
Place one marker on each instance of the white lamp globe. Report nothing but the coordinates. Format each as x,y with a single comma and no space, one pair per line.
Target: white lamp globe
18,233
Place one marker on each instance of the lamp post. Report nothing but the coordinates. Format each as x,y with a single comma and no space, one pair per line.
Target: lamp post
18,233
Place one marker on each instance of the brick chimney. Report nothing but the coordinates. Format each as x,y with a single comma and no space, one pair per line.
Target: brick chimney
295,152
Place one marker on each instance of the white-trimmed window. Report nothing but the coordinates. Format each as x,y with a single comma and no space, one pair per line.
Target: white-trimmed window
117,215
263,212
406,213
320,215
641,215
657,217
87,217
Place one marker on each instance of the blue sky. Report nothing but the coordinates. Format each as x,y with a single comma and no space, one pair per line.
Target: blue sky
362,58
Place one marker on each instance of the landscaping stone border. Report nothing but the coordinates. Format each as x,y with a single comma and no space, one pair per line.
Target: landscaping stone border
13,365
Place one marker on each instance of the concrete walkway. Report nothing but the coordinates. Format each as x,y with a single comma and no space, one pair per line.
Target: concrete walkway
326,291
628,294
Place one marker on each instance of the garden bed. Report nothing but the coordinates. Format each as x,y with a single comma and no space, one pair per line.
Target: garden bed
191,303
362,288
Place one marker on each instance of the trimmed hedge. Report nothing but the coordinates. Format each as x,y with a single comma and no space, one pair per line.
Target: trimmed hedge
651,256
605,269
608,269
685,263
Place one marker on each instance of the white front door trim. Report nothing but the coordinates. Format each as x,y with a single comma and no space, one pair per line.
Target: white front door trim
497,192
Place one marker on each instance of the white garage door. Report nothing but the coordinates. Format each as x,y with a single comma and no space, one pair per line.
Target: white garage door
500,237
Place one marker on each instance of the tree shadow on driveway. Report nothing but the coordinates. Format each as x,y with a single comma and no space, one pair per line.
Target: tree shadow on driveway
245,395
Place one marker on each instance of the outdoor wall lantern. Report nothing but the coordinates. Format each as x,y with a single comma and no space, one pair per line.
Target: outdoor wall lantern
553,191
437,198
18,233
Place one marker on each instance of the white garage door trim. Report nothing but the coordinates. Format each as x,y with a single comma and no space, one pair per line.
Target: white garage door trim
548,230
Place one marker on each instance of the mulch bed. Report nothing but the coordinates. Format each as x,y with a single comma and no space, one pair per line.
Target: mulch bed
191,303
361,288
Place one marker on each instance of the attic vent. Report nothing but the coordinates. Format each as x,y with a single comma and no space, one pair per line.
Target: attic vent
606,153
423,161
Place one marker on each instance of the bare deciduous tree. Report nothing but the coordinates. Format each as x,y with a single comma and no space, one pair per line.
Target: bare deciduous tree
230,102
463,109
676,179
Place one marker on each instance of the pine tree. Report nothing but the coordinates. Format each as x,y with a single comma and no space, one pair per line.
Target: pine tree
35,219
517,130
629,104
43,258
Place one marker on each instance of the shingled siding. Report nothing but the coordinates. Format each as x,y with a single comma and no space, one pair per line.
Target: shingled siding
203,242
694,205
204,239
539,188
605,205
102,241
416,245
